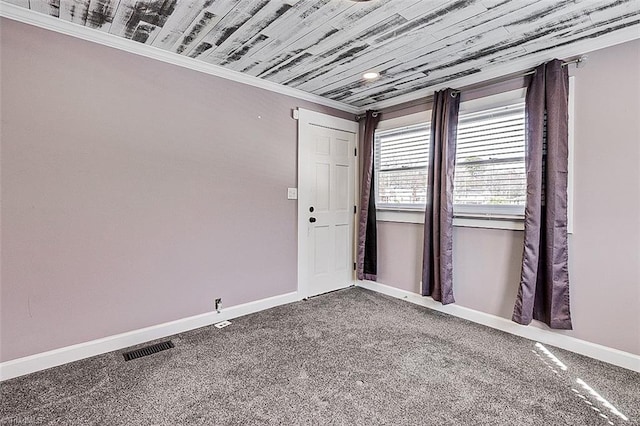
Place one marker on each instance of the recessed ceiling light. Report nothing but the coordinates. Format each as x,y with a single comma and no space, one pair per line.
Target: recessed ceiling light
370,75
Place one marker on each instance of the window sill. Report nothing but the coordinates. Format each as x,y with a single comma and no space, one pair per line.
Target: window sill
467,221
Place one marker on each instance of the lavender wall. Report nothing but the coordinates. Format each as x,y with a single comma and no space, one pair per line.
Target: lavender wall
605,246
135,192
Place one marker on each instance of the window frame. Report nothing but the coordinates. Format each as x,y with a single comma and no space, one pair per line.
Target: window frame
501,217
395,123
485,211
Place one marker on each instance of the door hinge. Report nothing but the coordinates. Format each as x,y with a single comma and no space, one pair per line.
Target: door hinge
355,209
354,266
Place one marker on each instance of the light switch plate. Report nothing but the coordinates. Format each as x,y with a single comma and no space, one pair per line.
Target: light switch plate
292,193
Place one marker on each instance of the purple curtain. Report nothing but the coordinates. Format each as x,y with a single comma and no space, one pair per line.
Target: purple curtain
544,281
437,261
367,264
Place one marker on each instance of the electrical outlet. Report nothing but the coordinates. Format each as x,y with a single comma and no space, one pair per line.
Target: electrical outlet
218,305
222,324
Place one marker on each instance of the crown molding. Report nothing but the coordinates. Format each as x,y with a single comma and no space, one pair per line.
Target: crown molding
51,23
522,65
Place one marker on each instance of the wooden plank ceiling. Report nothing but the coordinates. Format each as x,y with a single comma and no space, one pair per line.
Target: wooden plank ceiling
324,46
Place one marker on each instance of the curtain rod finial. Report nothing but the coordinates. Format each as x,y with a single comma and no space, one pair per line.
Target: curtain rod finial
582,61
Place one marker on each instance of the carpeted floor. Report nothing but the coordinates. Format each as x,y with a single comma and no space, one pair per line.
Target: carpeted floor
351,357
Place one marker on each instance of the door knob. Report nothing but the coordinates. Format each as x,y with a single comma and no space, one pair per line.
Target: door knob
312,219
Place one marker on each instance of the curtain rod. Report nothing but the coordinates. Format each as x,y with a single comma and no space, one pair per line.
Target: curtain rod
578,61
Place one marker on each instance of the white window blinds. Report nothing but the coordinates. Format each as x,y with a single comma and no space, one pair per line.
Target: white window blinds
401,159
490,173
490,177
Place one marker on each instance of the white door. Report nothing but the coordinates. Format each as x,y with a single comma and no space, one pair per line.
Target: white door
326,202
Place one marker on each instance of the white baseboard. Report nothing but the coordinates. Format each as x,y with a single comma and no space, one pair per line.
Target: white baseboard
603,353
53,358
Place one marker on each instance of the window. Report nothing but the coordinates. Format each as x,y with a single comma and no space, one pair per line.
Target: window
490,181
401,159
490,174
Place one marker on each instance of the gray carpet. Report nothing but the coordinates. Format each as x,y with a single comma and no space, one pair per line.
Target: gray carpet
351,357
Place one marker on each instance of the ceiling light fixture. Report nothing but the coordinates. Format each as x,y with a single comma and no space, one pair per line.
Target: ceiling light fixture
370,75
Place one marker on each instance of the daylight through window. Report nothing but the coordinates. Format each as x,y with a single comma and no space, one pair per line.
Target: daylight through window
401,159
490,173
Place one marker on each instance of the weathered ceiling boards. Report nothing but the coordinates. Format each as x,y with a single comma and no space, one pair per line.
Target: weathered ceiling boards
324,46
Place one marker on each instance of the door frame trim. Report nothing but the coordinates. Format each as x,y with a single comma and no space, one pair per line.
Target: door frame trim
305,118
